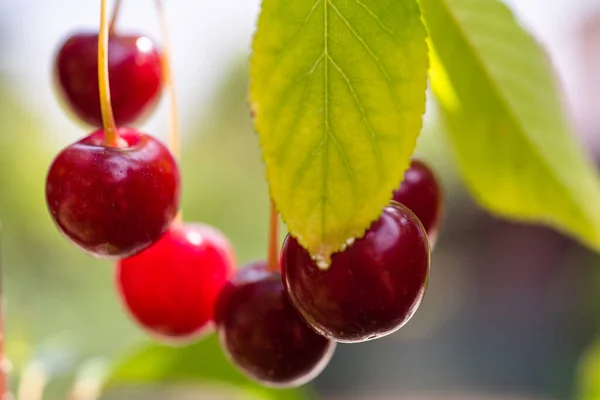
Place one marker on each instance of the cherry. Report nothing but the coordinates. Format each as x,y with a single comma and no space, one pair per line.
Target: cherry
114,202
264,335
171,288
421,192
371,289
135,72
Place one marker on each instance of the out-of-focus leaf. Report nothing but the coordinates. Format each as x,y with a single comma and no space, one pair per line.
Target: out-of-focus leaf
201,363
503,109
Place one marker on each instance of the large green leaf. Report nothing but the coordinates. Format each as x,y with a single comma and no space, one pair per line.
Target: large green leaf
498,93
338,92
201,363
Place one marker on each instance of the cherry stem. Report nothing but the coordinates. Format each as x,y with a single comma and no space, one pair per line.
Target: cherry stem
108,120
273,252
168,80
167,69
115,16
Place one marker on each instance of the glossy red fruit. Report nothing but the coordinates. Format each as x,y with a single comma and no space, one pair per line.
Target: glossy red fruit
171,288
135,75
370,289
264,335
114,202
421,192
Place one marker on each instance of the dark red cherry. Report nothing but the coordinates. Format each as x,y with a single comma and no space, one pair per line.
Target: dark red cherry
114,202
370,289
421,192
171,288
135,75
264,335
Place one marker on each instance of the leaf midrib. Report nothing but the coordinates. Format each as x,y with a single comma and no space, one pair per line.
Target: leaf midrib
504,102
326,100
328,134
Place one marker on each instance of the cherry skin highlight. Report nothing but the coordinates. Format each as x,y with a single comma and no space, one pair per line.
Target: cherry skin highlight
371,289
171,288
421,192
135,75
114,202
264,335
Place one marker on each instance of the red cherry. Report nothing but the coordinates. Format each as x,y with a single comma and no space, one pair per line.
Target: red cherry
371,289
114,202
262,333
135,74
171,288
421,192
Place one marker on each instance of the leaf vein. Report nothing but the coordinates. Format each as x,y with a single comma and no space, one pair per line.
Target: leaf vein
363,114
376,17
280,106
289,44
300,112
377,60
326,101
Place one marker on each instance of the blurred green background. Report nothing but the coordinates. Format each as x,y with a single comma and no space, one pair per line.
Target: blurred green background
509,311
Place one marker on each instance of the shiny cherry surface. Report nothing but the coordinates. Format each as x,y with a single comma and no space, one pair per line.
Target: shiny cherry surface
264,335
135,75
114,202
370,289
171,288
421,192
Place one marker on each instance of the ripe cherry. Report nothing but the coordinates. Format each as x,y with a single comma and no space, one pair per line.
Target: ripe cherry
370,289
171,288
135,74
114,202
421,192
264,335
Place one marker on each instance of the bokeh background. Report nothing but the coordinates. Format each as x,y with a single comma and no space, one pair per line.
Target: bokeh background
510,308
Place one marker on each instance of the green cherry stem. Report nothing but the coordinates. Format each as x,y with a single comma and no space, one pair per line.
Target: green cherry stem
273,251
167,68
115,16
108,120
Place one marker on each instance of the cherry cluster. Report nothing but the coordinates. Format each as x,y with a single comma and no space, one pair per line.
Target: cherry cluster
280,326
115,194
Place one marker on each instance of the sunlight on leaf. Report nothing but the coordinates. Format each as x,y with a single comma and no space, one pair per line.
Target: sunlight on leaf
338,90
505,119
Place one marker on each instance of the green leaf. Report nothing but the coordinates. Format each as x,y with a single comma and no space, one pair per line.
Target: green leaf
588,386
503,109
338,92
202,363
